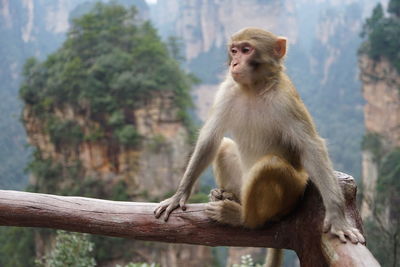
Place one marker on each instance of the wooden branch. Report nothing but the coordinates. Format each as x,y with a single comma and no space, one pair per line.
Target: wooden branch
300,231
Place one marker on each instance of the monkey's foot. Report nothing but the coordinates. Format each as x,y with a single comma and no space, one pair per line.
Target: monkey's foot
218,194
225,211
342,229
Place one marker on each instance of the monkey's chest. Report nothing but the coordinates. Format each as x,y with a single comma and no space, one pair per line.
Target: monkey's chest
256,132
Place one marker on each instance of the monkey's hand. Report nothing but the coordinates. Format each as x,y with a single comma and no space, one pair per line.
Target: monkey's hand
340,227
177,200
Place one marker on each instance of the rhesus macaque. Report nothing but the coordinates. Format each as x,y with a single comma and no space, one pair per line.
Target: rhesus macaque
262,171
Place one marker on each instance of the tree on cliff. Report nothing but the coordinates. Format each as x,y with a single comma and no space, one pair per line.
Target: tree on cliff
382,34
111,63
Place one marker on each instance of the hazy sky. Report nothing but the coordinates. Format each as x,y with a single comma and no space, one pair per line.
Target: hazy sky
151,1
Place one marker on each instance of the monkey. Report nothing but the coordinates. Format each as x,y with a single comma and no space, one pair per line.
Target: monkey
274,150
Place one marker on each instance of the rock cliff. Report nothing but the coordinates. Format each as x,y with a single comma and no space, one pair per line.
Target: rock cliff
203,25
149,171
381,90
153,169
28,28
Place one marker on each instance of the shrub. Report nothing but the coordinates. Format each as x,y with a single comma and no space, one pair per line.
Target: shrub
71,249
127,135
64,132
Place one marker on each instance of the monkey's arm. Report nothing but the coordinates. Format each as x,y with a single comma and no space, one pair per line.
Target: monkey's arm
206,146
303,135
316,162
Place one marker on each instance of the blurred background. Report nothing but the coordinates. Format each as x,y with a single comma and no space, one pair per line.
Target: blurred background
104,99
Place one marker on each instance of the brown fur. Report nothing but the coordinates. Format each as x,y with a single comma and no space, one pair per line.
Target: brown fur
272,190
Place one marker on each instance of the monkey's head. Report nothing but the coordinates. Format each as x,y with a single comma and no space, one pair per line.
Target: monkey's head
255,54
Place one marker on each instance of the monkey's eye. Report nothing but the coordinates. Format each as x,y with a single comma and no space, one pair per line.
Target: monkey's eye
234,50
246,49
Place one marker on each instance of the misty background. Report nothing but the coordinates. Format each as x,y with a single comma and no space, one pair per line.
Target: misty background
132,145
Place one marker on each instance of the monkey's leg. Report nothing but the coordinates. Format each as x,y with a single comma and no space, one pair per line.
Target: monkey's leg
225,211
227,172
228,176
271,189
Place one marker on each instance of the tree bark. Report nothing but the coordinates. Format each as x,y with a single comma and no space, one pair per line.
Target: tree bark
300,231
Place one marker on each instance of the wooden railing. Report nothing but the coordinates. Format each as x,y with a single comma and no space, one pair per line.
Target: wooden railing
301,231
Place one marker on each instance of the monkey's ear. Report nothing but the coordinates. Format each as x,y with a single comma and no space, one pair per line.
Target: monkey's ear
280,47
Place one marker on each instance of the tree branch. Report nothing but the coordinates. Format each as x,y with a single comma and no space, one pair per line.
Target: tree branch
300,231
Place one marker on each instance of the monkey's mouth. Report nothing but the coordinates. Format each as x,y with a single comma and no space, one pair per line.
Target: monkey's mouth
236,73
237,76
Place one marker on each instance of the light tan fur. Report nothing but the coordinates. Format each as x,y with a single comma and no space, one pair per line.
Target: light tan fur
275,145
227,170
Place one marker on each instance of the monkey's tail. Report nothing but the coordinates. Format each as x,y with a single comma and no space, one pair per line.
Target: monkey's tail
274,257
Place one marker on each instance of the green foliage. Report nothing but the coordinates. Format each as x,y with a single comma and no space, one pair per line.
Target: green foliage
71,249
382,230
119,192
377,15
394,7
68,180
382,242
32,81
116,119
110,248
389,176
95,134
46,172
202,195
55,178
67,133
383,34
175,45
17,247
128,136
86,187
372,142
109,63
157,143
199,198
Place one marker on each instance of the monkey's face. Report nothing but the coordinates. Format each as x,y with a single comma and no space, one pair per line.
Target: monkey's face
254,55
241,54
